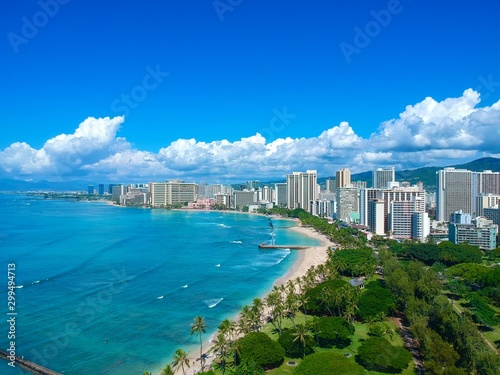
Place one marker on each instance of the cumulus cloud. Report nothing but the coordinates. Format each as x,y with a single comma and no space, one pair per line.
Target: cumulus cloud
426,133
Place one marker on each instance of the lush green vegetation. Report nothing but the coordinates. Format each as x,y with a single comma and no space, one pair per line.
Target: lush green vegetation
328,364
291,342
334,331
375,301
448,338
378,354
443,295
446,252
355,262
261,349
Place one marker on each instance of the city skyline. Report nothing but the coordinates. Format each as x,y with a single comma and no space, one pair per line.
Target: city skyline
155,91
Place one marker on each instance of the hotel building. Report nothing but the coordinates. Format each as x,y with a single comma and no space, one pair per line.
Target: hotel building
172,192
302,188
454,191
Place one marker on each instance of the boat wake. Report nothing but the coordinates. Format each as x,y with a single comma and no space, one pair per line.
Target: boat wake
236,242
211,303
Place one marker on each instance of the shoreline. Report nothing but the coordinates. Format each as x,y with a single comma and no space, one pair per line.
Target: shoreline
307,258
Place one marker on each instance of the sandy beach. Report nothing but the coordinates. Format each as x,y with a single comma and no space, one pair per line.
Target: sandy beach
311,256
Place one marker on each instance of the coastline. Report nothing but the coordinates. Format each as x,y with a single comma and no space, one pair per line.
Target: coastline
307,258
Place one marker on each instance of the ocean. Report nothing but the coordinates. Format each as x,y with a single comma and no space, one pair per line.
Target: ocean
110,290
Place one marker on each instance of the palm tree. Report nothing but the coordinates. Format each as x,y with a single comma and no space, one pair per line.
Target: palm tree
180,358
246,316
220,348
147,373
258,310
303,336
199,327
313,327
234,350
167,370
227,327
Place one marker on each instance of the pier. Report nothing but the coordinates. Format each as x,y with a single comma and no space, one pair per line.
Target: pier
291,247
28,365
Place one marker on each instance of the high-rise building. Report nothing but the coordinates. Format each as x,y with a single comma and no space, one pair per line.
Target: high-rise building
484,201
280,198
347,203
481,233
401,216
420,226
376,217
301,189
343,178
117,190
90,189
266,194
382,177
493,214
401,194
486,182
172,192
454,191
244,198
365,196
330,185
100,189
223,200
110,187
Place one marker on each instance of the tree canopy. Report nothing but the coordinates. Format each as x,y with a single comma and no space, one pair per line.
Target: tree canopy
377,354
354,262
293,348
327,364
375,301
334,331
259,347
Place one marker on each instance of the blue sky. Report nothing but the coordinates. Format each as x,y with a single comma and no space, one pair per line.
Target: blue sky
326,83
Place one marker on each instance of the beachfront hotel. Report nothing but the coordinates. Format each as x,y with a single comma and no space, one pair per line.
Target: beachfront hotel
302,188
172,192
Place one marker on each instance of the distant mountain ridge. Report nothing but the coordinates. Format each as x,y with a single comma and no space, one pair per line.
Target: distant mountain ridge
427,175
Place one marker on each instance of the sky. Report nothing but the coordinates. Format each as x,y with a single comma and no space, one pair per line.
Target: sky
231,90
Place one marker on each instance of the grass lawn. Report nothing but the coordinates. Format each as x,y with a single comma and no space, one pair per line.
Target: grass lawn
361,333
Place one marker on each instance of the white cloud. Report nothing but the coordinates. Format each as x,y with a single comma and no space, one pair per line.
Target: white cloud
426,133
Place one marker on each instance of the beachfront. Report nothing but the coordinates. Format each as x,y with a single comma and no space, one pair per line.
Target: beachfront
307,258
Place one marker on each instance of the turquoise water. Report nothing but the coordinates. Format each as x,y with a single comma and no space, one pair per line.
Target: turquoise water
111,290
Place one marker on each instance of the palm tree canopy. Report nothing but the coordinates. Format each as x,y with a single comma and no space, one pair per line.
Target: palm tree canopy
198,326
180,358
167,370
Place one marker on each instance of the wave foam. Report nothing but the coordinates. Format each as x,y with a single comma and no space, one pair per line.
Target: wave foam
235,241
211,303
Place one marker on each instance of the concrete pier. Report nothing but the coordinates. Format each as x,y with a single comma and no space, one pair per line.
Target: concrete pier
28,365
291,247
